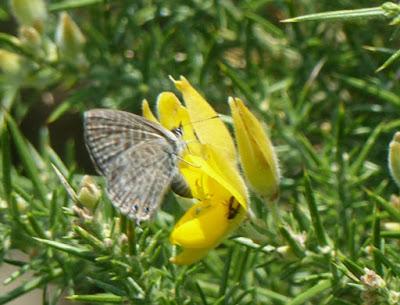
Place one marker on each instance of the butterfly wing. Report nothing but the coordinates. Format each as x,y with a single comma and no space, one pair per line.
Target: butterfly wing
138,190
137,157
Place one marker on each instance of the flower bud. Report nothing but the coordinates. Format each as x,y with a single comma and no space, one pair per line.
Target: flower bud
89,193
10,64
395,201
22,205
30,12
391,9
372,280
394,158
392,226
69,38
394,297
30,37
257,154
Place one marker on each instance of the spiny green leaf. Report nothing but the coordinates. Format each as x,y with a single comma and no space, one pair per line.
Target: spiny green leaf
71,4
367,147
273,295
26,159
311,293
315,217
373,89
107,286
294,245
97,298
73,250
6,164
395,213
343,15
389,61
30,285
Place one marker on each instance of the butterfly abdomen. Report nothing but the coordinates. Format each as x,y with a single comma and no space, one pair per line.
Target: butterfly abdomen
180,186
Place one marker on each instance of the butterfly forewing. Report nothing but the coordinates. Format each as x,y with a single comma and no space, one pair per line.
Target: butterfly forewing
137,157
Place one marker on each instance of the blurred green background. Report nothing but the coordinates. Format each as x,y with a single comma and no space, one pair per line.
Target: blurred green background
225,48
314,84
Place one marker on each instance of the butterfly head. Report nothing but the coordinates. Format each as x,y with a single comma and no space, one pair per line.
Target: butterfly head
178,131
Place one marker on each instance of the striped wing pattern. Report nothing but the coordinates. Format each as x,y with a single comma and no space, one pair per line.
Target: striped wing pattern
138,159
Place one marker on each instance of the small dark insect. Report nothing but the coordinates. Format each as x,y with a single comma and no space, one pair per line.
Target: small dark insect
233,208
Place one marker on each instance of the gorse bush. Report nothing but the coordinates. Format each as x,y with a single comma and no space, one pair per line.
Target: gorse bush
324,83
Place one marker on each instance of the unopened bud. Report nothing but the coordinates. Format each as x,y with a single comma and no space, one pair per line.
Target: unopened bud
83,214
395,201
22,205
69,38
10,64
30,37
30,12
372,280
257,154
394,158
394,297
392,226
89,193
123,239
283,250
108,242
391,9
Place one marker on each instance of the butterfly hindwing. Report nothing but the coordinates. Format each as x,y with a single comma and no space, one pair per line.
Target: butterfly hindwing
137,157
137,189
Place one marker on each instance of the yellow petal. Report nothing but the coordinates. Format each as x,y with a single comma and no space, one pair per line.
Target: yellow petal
173,115
194,177
202,226
147,113
256,151
170,111
189,256
208,126
215,166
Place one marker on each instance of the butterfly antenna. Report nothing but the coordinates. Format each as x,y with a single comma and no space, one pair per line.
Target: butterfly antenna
199,121
188,163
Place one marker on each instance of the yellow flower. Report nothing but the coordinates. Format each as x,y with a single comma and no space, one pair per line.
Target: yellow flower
209,168
257,155
220,211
